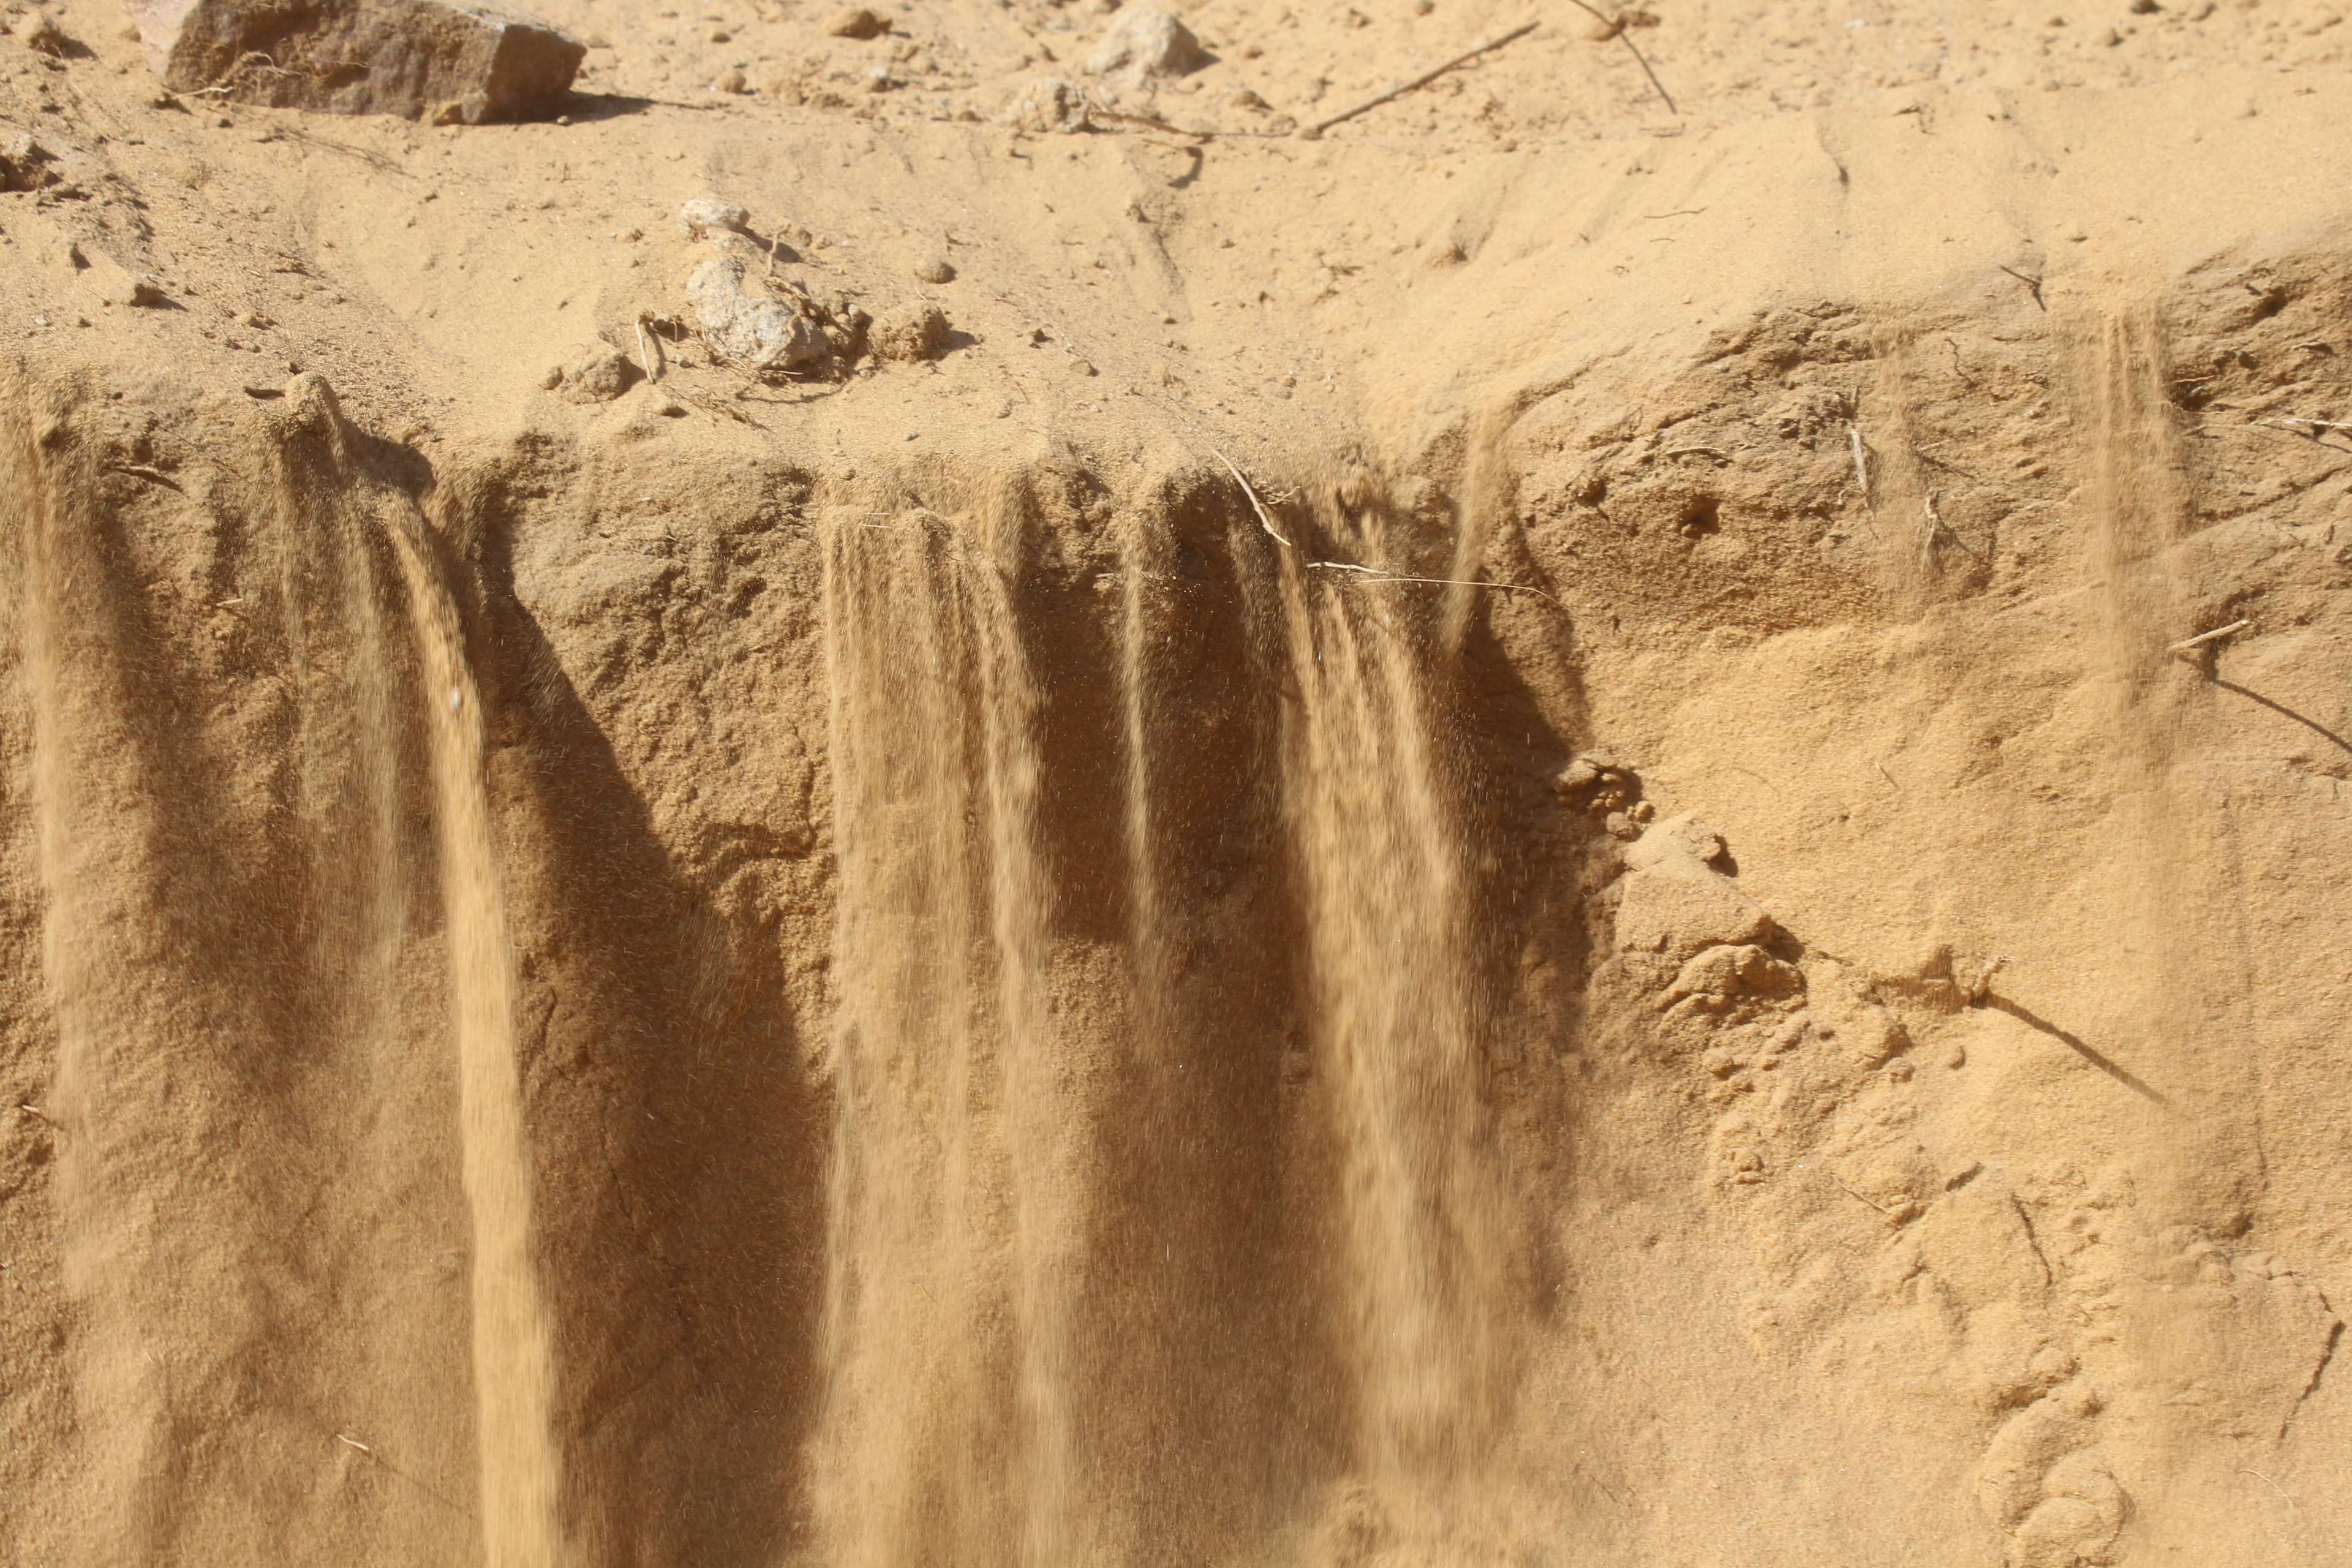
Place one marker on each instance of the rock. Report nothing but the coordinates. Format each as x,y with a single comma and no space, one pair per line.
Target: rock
1049,104
1582,774
1595,782
44,36
1679,836
108,281
935,269
598,373
25,165
1145,43
475,63
698,218
757,332
1718,976
731,79
918,333
1677,909
858,22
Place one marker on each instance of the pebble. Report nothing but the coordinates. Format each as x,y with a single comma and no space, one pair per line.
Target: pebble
858,22
935,269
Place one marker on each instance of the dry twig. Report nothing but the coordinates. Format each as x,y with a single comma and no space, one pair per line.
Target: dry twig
1398,90
1434,581
1096,112
1267,522
1618,30
1255,505
2201,639
142,471
1857,1197
2032,283
652,366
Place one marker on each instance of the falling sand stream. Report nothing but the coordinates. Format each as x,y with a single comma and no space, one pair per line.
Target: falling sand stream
961,1203
1395,1027
950,1250
513,1371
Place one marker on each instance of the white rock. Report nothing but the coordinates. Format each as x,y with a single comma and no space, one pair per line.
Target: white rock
1147,42
698,217
758,332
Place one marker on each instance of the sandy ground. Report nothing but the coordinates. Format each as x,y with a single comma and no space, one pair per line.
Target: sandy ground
1949,1171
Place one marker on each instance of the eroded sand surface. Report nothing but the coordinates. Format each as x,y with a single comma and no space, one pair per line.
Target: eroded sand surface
1484,839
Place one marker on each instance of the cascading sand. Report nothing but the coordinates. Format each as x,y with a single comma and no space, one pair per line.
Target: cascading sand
513,1371
1394,1025
948,1428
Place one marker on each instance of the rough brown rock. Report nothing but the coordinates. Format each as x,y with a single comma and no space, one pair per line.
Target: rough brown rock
918,333
472,63
858,22
26,165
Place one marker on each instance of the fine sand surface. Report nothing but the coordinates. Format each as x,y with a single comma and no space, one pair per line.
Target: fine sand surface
1507,836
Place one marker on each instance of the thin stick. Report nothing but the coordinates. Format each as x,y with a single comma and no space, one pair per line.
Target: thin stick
152,475
653,371
1982,987
1255,505
2032,283
2314,424
1857,1197
1623,35
1095,111
1484,46
1435,581
1267,523
2201,639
